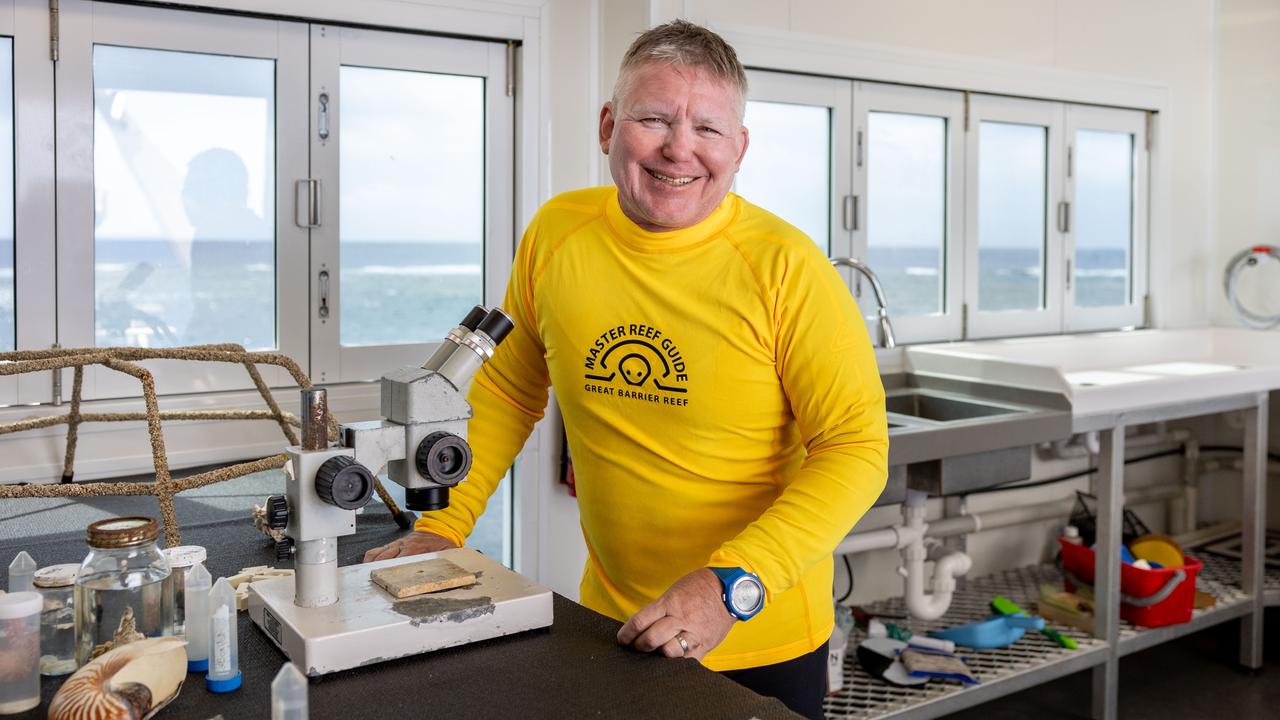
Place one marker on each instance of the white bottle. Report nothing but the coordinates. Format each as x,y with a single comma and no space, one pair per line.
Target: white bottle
224,651
196,591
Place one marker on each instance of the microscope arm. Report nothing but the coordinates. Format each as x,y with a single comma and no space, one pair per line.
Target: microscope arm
376,442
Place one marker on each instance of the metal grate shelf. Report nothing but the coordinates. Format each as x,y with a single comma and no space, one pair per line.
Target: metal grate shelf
1033,660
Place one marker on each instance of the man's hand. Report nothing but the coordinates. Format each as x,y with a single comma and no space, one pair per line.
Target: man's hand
692,608
415,543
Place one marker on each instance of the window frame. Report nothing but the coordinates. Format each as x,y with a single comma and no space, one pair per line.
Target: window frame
26,22
85,24
335,46
1132,313
1047,319
872,97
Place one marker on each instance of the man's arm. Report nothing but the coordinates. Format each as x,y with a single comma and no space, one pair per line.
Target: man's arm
507,397
827,367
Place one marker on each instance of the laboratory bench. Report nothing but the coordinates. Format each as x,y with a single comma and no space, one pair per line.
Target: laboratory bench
572,669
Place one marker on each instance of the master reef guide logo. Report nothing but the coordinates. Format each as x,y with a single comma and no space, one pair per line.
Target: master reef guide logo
637,362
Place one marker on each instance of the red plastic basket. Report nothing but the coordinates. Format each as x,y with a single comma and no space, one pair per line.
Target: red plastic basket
1149,598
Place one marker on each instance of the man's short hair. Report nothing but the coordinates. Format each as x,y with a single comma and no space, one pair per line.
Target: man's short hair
686,44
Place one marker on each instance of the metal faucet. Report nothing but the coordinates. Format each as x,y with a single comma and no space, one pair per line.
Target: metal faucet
885,338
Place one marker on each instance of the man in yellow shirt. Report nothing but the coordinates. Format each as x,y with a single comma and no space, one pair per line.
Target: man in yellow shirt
718,387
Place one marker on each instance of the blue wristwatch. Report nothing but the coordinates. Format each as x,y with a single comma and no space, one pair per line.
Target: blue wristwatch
743,593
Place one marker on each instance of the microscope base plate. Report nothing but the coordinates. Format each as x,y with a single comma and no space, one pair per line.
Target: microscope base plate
367,625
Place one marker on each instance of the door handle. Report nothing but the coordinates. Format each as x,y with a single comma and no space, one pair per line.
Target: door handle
324,294
306,203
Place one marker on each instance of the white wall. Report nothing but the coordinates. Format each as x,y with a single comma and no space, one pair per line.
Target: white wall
1246,175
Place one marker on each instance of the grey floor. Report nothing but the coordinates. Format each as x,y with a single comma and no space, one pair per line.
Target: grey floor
1193,677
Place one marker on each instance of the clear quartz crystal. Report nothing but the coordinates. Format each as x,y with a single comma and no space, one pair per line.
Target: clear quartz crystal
21,572
289,694
197,583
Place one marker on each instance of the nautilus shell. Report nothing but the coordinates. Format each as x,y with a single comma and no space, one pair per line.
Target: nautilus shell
131,682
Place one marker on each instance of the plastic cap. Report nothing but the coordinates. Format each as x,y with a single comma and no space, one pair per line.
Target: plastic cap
185,555
56,576
224,685
20,604
198,665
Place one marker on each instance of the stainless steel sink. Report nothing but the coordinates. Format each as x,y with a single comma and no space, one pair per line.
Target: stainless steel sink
922,404
948,436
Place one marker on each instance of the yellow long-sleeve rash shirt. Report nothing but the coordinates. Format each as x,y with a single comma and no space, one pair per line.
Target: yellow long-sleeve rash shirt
721,401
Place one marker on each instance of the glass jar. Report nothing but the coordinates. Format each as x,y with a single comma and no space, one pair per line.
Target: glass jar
121,591
181,559
57,584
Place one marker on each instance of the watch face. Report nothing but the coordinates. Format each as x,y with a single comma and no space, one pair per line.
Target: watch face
747,595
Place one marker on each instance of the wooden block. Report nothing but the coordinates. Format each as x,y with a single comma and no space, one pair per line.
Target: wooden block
421,577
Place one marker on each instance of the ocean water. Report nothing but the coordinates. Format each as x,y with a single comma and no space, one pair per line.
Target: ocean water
403,292
145,295
1009,278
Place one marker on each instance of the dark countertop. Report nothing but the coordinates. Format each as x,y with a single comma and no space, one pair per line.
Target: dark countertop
573,669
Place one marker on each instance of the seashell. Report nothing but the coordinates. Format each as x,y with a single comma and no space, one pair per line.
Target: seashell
129,683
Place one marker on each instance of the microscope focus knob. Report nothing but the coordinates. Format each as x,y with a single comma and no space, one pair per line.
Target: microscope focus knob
345,483
284,549
443,458
277,512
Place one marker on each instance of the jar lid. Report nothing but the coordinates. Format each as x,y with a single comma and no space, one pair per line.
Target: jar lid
20,605
56,576
123,532
185,555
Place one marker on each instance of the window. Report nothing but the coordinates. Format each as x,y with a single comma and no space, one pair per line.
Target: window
1104,216
982,216
179,137
412,148
27,253
184,203
414,155
908,171
799,135
341,196
8,284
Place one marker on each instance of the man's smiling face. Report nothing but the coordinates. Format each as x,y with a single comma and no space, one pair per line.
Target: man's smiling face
674,140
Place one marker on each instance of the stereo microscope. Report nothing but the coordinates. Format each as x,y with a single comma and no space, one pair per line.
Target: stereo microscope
327,618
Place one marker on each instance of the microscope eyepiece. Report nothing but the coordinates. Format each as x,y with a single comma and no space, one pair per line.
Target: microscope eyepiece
497,325
345,483
473,318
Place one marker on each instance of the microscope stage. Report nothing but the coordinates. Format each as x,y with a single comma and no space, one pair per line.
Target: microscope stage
367,625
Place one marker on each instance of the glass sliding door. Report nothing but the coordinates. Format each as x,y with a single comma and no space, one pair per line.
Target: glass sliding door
184,199
412,149
1014,273
180,136
412,204
1106,196
910,170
